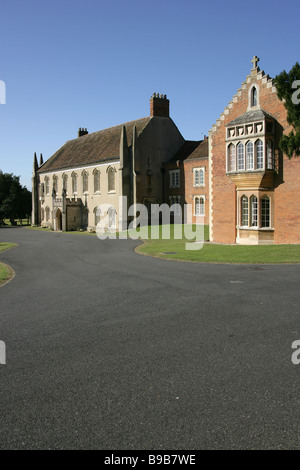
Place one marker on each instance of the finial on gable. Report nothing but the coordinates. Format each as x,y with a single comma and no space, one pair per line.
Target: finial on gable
255,61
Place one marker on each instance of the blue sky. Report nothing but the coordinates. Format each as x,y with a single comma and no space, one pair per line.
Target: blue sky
69,64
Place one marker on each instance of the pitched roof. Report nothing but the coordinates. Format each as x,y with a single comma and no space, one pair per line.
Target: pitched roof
250,116
201,151
92,148
185,150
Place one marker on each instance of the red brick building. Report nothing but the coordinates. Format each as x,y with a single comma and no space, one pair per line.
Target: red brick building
253,188
186,180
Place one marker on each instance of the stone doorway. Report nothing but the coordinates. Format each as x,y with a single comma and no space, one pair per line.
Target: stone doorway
58,220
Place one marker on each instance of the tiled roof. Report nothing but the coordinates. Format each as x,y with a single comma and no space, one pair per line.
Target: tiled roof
250,116
187,148
92,148
201,151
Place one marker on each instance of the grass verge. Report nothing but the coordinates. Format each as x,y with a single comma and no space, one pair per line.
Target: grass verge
6,272
213,253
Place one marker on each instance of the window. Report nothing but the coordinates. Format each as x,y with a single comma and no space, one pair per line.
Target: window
253,208
174,178
42,214
97,213
265,211
270,155
42,190
241,160
254,97
199,174
55,183
175,200
111,179
259,154
244,211
47,186
65,183
74,183
96,181
47,210
231,158
85,181
249,156
199,206
111,217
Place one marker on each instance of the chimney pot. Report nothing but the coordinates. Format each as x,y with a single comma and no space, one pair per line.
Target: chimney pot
159,105
82,131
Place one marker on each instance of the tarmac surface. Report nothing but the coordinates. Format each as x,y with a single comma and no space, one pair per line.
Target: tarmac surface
107,349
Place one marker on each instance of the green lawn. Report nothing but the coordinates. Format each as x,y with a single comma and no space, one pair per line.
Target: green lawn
5,271
34,227
213,253
6,246
24,222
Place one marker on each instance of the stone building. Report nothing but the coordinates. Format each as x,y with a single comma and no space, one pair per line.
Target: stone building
93,169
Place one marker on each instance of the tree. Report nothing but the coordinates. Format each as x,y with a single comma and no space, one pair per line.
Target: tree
15,200
286,86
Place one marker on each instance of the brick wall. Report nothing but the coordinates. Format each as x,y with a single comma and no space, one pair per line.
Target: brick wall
286,210
191,191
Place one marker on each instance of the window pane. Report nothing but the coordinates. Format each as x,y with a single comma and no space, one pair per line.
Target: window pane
270,157
254,97
197,206
254,211
241,161
231,158
265,212
244,207
259,155
202,209
249,156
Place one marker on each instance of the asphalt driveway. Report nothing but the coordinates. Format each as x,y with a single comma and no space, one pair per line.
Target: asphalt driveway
107,349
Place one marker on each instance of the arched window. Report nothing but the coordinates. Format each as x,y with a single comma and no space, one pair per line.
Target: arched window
47,186
111,179
111,217
96,181
42,189
259,147
199,176
65,183
244,211
265,211
253,211
202,207
97,213
85,181
231,158
241,157
55,185
249,156
74,183
42,214
254,96
199,205
47,210
270,155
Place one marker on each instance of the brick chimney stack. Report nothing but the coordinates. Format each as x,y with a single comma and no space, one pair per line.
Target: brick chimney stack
159,105
82,131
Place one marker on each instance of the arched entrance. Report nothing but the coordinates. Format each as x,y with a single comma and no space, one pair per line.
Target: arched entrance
58,220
